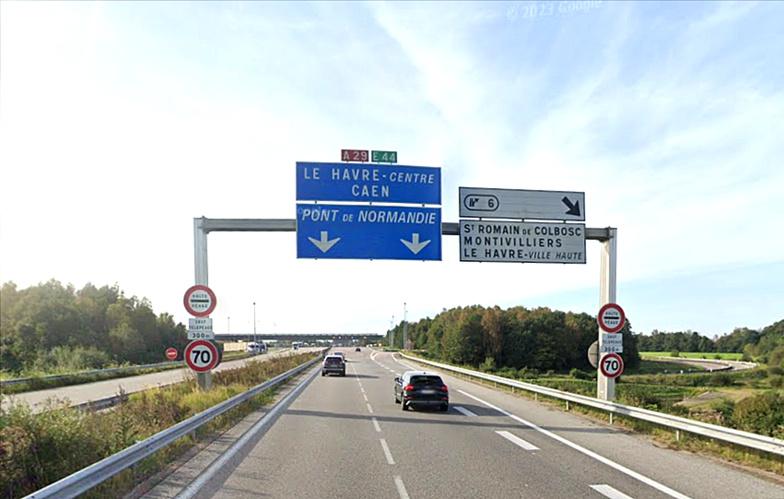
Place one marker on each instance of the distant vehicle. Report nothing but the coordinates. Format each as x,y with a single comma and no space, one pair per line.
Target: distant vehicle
421,388
296,344
357,349
256,348
333,364
340,354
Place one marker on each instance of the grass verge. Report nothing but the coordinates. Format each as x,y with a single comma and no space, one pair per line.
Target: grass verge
38,449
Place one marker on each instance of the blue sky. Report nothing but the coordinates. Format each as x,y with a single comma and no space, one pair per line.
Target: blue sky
120,122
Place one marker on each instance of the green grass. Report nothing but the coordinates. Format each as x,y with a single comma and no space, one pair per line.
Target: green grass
38,449
696,355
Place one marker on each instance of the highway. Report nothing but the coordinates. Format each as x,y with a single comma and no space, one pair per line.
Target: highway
78,394
345,437
708,364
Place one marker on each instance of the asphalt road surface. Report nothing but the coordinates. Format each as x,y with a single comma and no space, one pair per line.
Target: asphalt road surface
346,437
86,392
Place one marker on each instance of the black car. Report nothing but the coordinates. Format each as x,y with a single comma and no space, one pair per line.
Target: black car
357,349
333,364
421,388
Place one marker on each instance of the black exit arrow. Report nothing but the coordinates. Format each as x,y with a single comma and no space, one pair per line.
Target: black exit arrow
574,209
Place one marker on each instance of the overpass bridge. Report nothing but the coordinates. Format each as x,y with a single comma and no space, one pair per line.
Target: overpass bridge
307,338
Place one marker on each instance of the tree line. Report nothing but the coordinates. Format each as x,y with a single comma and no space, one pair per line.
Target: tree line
766,344
51,327
539,338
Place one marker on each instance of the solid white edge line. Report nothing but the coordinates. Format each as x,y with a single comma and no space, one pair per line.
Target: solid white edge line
623,469
401,488
387,453
610,492
463,410
376,425
370,409
517,440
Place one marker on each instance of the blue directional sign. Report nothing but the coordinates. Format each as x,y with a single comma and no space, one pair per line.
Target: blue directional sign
368,232
368,182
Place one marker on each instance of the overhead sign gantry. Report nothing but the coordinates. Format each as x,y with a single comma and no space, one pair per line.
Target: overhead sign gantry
380,211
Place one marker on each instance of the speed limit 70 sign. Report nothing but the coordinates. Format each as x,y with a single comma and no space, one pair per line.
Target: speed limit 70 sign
611,365
201,356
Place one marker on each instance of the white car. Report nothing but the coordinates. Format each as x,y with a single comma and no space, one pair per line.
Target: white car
255,348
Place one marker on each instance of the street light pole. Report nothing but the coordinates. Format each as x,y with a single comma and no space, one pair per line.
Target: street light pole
405,325
254,322
228,326
392,332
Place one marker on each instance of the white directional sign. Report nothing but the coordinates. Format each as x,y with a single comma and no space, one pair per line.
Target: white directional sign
522,204
200,328
483,241
612,343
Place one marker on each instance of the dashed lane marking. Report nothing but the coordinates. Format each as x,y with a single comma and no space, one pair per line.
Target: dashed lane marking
463,410
610,492
517,440
387,453
401,488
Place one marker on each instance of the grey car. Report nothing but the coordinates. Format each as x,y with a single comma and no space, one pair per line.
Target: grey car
333,364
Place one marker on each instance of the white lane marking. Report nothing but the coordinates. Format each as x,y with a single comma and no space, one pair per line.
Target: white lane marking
386,451
610,492
370,409
365,396
623,469
463,410
401,488
375,425
517,440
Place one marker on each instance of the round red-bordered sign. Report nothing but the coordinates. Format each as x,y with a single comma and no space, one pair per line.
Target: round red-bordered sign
201,356
171,353
199,300
611,318
611,365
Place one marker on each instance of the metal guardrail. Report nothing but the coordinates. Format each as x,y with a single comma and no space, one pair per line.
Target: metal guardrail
729,435
95,474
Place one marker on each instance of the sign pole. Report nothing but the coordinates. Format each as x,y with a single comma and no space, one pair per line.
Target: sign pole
200,266
605,387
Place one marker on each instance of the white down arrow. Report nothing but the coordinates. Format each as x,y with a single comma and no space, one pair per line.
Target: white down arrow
414,245
325,243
